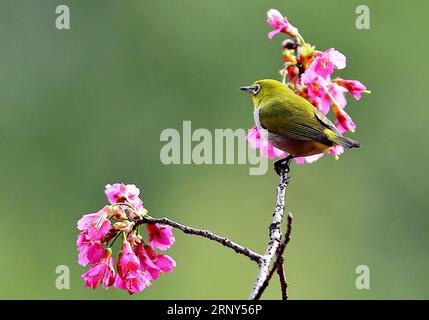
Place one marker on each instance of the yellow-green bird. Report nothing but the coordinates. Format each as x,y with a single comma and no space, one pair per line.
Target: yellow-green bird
294,125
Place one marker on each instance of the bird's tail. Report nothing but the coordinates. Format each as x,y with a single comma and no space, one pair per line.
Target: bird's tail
347,142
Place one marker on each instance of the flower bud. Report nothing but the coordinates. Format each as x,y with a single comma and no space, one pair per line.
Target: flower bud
290,44
306,55
138,214
307,50
117,213
293,74
289,56
134,239
125,225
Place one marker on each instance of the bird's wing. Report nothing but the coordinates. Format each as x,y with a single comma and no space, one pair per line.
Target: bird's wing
296,122
325,121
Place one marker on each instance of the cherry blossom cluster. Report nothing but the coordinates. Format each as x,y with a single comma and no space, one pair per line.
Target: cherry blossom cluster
308,72
138,262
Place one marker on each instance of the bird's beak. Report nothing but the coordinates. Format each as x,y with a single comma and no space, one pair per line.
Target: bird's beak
246,88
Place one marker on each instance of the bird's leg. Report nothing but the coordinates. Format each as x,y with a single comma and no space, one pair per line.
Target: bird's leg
283,164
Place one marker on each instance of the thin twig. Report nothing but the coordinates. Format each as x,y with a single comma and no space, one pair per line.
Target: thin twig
279,258
275,238
203,233
283,280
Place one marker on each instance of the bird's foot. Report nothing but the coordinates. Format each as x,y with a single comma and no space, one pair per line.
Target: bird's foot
283,164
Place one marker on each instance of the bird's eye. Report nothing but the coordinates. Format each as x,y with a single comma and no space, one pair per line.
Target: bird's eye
256,89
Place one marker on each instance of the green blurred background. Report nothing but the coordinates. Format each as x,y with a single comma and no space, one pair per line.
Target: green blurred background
85,107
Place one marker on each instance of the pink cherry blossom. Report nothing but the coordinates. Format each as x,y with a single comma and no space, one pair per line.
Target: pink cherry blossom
318,88
355,87
127,260
337,93
146,263
160,236
134,281
90,251
309,159
325,62
96,224
138,263
129,276
336,151
276,20
119,192
101,271
256,142
154,262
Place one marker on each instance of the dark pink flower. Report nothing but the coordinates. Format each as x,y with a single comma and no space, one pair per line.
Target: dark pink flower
101,271
160,236
97,225
154,262
127,260
318,88
353,86
119,192
343,121
256,142
293,75
276,20
90,251
134,281
129,276
325,62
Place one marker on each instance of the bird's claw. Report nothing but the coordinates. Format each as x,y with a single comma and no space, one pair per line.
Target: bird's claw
283,164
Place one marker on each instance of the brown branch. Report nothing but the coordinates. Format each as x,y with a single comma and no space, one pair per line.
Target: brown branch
275,247
280,263
205,234
275,237
283,280
279,258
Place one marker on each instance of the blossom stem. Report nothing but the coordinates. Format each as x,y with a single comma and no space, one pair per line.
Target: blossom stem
114,239
301,40
284,76
334,101
125,204
203,233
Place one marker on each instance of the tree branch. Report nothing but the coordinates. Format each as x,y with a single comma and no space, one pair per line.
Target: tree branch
279,258
275,237
205,234
275,246
283,280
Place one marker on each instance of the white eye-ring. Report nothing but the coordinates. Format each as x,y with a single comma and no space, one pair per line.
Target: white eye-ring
256,89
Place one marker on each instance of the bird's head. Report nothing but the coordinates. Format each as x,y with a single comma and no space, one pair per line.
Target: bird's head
265,90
